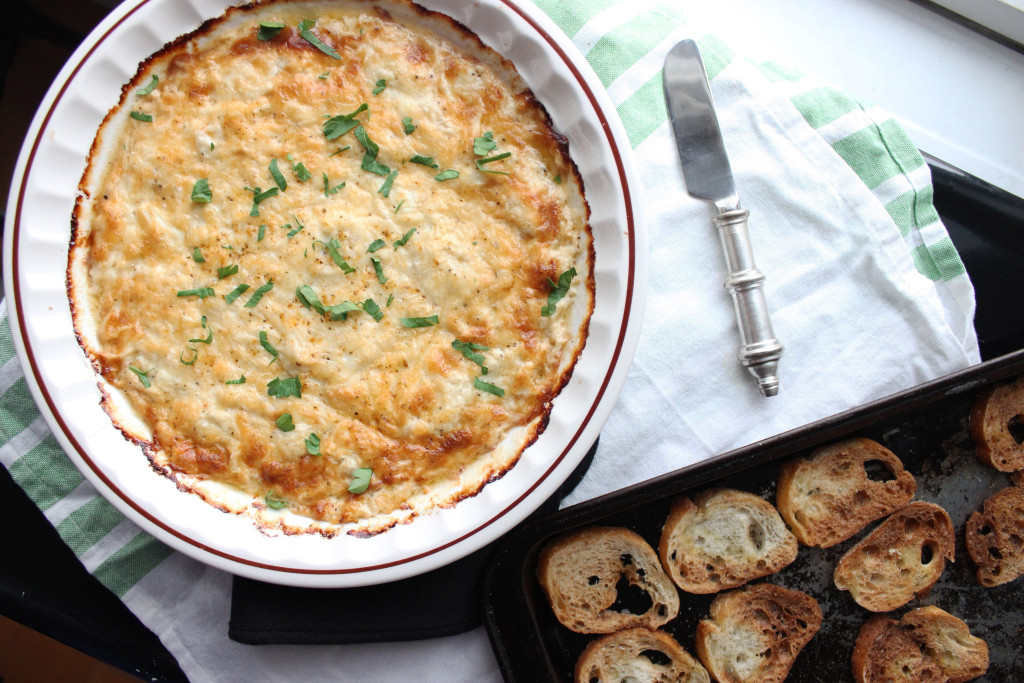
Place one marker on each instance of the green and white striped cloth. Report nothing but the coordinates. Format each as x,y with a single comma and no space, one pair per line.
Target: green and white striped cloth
868,295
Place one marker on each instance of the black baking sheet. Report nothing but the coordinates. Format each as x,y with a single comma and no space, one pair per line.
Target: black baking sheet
927,427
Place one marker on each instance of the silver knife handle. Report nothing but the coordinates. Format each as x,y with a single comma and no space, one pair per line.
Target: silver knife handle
760,351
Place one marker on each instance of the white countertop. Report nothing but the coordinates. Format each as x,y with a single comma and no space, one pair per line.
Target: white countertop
958,94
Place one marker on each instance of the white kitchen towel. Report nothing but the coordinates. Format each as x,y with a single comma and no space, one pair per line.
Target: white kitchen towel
866,291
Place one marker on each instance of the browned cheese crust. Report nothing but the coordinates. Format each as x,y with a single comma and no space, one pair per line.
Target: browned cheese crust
996,413
901,558
397,303
842,488
995,537
626,656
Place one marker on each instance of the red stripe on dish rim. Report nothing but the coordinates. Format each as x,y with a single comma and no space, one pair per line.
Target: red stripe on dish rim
623,180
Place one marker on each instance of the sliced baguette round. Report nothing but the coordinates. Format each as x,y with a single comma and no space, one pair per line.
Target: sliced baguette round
581,571
831,496
638,654
755,633
901,558
995,410
995,537
723,540
927,644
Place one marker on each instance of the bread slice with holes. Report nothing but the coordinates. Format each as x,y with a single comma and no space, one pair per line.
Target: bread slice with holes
927,644
840,489
901,558
997,426
602,579
722,540
638,654
755,633
995,537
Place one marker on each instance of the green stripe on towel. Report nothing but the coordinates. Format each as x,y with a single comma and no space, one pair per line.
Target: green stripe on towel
131,563
45,473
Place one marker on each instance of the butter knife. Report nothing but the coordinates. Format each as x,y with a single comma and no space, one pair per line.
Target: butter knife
708,176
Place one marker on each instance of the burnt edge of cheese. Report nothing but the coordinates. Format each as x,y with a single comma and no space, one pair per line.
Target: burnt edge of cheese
293,41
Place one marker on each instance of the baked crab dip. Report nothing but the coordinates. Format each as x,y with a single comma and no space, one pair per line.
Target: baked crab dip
331,263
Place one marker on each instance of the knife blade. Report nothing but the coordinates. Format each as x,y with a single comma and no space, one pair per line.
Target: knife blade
708,176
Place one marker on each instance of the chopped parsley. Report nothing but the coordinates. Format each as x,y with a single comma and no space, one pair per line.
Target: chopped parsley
378,270
278,177
209,336
265,343
341,311
143,375
488,387
558,290
408,126
304,31
446,175
336,126
259,196
424,161
328,190
371,307
268,29
484,145
195,356
385,189
308,298
313,444
197,256
324,76
261,233
274,502
235,293
283,388
370,162
360,480
285,423
226,271
258,294
332,249
201,192
139,116
154,79
405,238
375,245
240,380
201,292
497,157
381,84
428,321
469,350
301,172
292,232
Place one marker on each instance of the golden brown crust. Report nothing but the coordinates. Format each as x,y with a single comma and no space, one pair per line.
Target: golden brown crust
995,537
755,633
581,571
724,540
831,496
995,411
401,401
901,558
626,655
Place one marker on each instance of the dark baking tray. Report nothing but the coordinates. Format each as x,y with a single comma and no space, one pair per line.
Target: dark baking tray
927,427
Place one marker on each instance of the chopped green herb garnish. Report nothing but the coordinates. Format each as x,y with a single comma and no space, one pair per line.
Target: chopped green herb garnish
240,380
209,338
197,256
381,84
399,206
378,270
292,232
139,116
340,311
268,29
195,356
332,249
428,321
235,293
339,151
484,145
328,190
497,157
274,502
385,189
375,245
225,271
301,172
407,125
201,191
308,298
313,444
469,350
153,80
278,177
265,343
143,375
370,162
558,290
285,423
405,238
424,161
336,126
324,76
304,31
201,292
258,196
283,388
446,175
371,307
391,297
558,179
258,294
360,480
488,387
261,233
